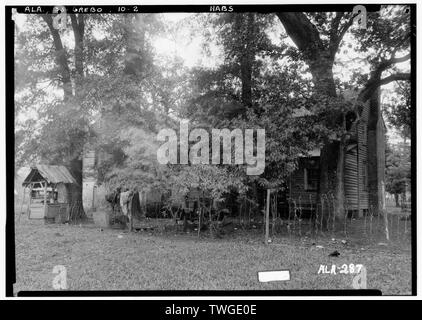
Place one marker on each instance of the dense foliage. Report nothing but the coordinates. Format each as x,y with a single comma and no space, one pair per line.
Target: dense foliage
100,84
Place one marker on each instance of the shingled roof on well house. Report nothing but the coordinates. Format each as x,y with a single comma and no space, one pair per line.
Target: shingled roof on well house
52,174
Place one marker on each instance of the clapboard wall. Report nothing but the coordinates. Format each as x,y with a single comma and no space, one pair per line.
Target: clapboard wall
355,180
89,181
297,192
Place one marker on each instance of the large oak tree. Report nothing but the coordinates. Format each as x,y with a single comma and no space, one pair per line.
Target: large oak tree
318,37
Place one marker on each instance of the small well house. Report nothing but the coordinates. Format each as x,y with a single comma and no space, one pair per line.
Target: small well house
51,189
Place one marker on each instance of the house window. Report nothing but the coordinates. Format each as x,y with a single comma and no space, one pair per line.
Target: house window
311,178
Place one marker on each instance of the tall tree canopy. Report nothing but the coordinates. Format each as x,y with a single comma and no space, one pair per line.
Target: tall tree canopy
101,84
319,37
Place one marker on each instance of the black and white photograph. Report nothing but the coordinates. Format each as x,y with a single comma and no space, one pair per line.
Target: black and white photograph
211,149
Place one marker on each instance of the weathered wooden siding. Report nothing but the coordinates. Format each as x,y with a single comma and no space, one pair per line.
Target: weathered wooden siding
297,192
36,211
381,131
62,193
88,165
376,154
356,167
351,179
357,172
363,164
89,181
354,184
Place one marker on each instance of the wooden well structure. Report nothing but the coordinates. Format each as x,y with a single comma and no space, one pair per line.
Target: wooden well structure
51,191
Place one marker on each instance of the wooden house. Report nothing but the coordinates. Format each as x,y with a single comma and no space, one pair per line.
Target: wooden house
152,199
364,167
91,184
51,190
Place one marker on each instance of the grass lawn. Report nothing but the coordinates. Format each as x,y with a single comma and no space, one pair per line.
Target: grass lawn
110,259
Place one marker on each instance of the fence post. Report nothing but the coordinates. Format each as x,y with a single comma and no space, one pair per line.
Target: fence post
387,235
23,198
267,217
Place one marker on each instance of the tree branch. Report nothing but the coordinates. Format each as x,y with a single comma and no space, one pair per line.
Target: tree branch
61,58
401,42
401,59
335,23
303,33
78,32
384,65
374,83
375,80
336,37
401,76
346,26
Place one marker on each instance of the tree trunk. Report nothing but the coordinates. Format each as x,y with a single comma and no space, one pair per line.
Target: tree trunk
320,59
340,196
319,53
328,167
332,154
78,26
61,58
246,62
246,75
135,64
321,67
396,197
75,166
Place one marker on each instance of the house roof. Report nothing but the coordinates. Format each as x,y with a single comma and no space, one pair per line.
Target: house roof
51,174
